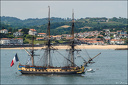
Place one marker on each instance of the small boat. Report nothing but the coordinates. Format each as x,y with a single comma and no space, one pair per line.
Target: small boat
90,70
78,56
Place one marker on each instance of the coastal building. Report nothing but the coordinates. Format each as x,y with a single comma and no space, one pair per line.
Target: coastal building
68,38
107,41
117,41
91,41
40,38
17,34
107,37
57,37
95,43
113,33
19,30
5,31
80,35
20,40
32,32
121,32
123,36
5,41
14,41
107,20
107,32
41,34
64,35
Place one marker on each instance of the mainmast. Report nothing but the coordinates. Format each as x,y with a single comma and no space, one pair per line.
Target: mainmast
48,33
72,41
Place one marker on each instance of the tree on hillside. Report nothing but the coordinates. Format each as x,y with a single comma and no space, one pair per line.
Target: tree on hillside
114,19
29,36
9,29
14,30
25,30
2,35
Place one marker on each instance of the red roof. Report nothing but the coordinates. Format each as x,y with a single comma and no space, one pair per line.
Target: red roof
4,29
42,33
32,29
12,38
68,37
114,40
5,38
101,35
57,36
39,38
19,38
96,42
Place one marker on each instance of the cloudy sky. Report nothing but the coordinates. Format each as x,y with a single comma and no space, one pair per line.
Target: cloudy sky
63,9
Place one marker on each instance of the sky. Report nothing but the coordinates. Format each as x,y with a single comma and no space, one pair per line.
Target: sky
63,9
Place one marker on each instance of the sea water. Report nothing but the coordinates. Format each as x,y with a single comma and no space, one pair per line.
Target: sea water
110,68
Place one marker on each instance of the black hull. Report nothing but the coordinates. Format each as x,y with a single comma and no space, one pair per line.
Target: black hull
32,72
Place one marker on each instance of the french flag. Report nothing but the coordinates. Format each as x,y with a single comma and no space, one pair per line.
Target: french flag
15,59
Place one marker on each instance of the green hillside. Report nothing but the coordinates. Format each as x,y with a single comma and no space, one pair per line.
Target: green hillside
81,25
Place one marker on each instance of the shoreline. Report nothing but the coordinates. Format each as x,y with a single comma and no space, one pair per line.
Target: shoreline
80,47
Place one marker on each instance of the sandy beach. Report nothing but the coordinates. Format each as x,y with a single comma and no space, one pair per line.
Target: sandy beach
80,47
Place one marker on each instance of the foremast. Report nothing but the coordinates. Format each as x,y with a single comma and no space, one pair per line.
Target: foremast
32,51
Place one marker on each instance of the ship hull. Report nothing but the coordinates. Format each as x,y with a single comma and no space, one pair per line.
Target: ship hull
53,70
29,72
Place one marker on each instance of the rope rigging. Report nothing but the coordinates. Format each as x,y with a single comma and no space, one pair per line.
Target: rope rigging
66,58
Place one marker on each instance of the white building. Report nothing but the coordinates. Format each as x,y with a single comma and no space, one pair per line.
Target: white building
5,41
20,40
15,41
107,32
5,31
117,41
42,34
57,37
17,34
107,37
32,32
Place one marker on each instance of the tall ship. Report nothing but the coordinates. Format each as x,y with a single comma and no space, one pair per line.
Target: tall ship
47,66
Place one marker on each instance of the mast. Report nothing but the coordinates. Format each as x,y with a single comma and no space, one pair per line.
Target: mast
72,31
48,32
72,41
32,51
48,29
